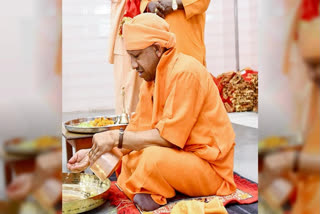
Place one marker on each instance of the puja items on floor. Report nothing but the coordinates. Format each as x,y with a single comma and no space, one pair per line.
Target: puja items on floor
82,192
239,90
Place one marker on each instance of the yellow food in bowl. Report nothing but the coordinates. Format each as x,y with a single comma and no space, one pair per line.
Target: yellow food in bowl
273,142
98,122
46,141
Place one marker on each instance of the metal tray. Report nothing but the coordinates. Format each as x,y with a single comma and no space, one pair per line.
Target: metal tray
292,142
71,125
82,192
24,147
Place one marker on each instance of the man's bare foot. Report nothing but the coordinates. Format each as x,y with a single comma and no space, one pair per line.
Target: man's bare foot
145,202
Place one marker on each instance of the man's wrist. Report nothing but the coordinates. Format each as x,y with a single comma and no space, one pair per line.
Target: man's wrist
296,161
116,138
120,141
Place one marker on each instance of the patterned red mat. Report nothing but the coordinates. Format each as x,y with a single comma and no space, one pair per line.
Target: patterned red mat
246,193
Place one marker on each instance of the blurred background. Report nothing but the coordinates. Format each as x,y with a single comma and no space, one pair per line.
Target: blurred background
289,142
30,83
87,75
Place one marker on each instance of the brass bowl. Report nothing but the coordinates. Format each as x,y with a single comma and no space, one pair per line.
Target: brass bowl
82,192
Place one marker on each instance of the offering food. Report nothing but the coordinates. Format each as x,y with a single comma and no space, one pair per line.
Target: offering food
20,146
273,142
97,122
46,141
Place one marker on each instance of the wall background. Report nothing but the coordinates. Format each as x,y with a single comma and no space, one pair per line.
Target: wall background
87,75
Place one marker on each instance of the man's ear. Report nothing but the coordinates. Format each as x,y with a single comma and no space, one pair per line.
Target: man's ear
158,49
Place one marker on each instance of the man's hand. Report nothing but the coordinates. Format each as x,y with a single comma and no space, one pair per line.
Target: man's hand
280,163
48,164
79,161
101,143
314,73
155,7
167,6
21,186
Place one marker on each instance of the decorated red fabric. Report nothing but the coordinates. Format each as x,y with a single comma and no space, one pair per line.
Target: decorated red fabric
309,9
117,198
217,83
227,88
246,75
246,193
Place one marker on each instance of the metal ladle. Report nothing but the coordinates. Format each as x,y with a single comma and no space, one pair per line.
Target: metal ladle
124,117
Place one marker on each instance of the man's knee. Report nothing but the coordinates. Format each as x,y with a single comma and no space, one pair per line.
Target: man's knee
154,155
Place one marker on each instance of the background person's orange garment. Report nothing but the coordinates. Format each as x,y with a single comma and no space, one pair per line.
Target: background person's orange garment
124,76
188,25
184,105
308,194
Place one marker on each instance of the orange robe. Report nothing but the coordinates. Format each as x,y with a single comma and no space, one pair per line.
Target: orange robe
308,194
184,105
188,25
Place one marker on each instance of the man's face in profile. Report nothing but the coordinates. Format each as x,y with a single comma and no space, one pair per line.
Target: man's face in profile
145,62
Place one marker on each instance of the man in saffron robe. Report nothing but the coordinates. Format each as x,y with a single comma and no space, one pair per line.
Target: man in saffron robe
180,138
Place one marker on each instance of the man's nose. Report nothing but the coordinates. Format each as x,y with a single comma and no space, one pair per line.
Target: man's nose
134,64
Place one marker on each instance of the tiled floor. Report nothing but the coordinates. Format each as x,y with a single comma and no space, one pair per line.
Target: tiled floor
246,151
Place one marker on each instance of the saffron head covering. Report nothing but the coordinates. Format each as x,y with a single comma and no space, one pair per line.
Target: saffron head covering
146,29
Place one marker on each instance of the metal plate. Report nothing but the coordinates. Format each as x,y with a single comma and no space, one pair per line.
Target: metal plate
21,146
82,192
285,143
71,125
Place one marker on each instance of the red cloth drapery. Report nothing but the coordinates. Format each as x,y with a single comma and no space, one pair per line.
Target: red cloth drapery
132,8
309,9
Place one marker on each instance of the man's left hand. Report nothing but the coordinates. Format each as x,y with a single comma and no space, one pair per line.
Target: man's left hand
101,143
21,186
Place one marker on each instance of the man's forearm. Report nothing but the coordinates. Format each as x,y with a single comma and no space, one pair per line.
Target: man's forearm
309,163
142,139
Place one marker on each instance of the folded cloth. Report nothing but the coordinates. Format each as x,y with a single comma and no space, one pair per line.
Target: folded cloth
215,206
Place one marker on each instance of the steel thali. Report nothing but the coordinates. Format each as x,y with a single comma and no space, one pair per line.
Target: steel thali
279,143
82,192
73,125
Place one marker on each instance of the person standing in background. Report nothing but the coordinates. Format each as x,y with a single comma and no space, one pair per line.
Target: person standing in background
304,35
118,56
187,21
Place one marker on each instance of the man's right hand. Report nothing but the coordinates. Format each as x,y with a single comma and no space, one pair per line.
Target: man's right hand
79,161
